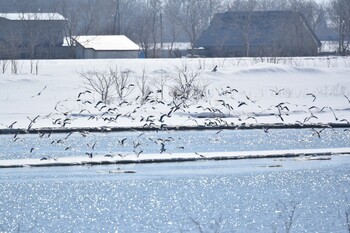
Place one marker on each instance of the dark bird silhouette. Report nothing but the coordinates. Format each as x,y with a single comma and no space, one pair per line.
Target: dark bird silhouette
310,94
161,119
86,102
121,142
199,155
92,146
138,153
241,104
34,119
347,98
344,120
11,125
89,154
277,92
83,92
162,149
317,132
219,131
335,117
215,69
39,93
32,149
136,144
98,103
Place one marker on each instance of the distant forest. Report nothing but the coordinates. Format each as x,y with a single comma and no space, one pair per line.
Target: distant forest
149,22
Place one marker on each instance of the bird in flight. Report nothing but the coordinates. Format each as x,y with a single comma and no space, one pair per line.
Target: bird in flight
39,93
310,94
277,92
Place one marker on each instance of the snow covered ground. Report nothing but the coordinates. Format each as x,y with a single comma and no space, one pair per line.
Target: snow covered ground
241,92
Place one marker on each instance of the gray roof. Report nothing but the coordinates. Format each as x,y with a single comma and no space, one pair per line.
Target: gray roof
263,27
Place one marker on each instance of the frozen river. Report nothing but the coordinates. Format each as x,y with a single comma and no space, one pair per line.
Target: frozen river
260,195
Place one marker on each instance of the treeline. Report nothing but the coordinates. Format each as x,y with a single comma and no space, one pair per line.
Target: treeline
153,22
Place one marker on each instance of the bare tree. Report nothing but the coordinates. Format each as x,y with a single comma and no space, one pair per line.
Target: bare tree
73,14
194,16
121,82
313,12
160,79
90,16
142,84
4,66
339,12
187,83
100,82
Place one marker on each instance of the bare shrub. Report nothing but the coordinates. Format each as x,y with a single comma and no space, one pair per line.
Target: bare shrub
34,67
160,79
4,65
187,84
142,84
14,66
121,81
100,82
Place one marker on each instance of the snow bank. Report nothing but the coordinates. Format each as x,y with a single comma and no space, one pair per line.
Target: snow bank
309,154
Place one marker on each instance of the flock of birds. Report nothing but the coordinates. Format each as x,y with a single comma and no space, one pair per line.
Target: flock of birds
228,105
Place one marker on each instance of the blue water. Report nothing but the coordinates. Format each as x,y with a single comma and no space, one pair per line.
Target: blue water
176,142
207,196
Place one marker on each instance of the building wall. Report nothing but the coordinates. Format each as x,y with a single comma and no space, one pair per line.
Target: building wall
116,54
28,38
86,53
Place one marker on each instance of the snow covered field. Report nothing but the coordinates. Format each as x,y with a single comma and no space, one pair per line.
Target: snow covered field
242,91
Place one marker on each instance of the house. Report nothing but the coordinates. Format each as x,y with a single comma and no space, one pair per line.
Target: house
30,35
103,47
258,33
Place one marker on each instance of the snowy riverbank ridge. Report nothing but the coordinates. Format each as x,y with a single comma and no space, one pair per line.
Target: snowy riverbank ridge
302,155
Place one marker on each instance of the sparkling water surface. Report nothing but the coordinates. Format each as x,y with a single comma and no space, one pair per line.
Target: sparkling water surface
260,195
176,142
207,196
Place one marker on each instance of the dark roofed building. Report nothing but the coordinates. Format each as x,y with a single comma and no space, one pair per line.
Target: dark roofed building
258,33
30,35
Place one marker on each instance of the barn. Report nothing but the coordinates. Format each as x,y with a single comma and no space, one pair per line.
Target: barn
258,33
30,35
104,47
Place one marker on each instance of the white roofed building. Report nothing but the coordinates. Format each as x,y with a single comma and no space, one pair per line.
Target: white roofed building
104,47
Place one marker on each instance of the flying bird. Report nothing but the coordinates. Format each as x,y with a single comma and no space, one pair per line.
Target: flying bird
89,154
310,94
347,98
121,142
11,125
83,92
39,93
241,104
199,155
278,91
